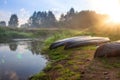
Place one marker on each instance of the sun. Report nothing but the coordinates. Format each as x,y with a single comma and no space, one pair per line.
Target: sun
110,7
114,17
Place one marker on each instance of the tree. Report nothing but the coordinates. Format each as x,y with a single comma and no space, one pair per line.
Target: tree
62,17
51,16
33,20
25,25
51,19
82,19
2,23
71,12
42,19
13,21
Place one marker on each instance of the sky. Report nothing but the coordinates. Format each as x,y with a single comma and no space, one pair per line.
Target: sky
25,8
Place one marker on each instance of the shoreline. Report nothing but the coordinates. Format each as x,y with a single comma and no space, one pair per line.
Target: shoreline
77,63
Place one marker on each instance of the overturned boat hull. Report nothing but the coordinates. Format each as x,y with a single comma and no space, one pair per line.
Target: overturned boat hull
92,41
65,41
78,41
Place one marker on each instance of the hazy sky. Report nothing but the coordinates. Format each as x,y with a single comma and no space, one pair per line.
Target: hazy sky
25,8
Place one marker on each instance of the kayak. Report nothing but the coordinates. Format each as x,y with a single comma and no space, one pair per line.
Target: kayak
65,41
78,41
87,42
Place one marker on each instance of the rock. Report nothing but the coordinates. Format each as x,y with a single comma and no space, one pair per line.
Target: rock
105,73
107,78
108,50
87,60
82,72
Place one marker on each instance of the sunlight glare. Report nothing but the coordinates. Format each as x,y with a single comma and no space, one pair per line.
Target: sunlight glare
110,7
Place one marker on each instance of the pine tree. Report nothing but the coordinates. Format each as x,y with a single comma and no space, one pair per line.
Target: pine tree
13,21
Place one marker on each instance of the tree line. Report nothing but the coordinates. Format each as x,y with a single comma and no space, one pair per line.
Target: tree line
42,19
13,22
71,19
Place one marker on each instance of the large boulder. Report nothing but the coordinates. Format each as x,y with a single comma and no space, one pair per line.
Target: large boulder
108,50
78,41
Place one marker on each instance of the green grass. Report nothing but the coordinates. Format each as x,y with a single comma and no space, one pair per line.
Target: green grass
40,76
110,62
58,66
59,54
67,73
64,34
48,67
6,33
118,74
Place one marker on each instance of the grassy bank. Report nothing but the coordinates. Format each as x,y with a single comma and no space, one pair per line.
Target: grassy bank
7,34
73,64
62,66
78,63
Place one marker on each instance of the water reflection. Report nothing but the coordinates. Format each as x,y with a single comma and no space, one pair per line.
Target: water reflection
13,46
35,47
17,61
11,75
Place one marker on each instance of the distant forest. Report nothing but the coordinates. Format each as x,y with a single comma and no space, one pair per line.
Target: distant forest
72,19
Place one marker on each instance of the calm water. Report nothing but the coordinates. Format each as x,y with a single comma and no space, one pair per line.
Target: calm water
19,60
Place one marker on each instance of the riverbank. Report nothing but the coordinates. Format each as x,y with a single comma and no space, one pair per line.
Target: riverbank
73,64
78,63
6,34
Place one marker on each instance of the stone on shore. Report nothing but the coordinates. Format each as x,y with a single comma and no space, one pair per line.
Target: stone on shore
108,50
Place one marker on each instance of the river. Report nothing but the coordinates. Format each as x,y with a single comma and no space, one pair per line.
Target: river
20,59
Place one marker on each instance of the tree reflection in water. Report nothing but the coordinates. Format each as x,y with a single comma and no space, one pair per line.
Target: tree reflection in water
35,47
13,46
20,59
